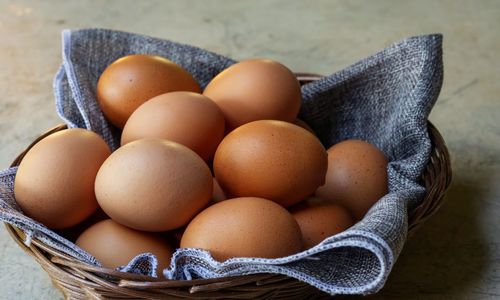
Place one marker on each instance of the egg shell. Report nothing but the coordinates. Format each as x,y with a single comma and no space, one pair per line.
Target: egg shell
132,80
72,233
218,193
253,90
244,227
319,221
304,125
114,245
274,160
153,185
54,183
187,118
356,177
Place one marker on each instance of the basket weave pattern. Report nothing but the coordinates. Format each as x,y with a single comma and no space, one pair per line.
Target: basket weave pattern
78,280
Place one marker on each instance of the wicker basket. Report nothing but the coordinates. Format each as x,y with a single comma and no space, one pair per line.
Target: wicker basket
78,280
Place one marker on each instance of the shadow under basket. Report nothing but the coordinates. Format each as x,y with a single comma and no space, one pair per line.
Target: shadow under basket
79,280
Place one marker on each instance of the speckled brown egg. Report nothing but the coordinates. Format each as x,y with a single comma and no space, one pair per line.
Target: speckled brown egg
132,80
55,181
319,221
114,245
253,90
274,160
153,185
244,227
356,176
187,118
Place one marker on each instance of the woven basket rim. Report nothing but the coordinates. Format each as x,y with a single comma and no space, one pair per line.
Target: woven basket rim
75,278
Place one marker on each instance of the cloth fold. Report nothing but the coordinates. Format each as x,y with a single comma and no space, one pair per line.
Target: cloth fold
384,99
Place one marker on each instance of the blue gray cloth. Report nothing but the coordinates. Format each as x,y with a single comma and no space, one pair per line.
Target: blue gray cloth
384,99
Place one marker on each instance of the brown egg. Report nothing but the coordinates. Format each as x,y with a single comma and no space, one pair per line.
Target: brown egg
356,176
153,185
55,181
274,160
132,80
186,118
304,125
244,227
72,233
218,194
253,90
114,245
319,221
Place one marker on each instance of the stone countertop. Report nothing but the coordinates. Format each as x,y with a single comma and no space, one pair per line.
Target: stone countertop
455,255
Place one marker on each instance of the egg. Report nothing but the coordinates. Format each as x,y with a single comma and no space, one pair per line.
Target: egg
218,194
319,221
304,125
72,233
54,183
274,160
253,90
187,118
153,185
244,227
356,176
114,245
132,80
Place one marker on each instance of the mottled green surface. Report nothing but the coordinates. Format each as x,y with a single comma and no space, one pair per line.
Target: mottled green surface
456,255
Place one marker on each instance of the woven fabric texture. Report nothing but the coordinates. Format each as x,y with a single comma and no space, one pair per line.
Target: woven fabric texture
384,99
